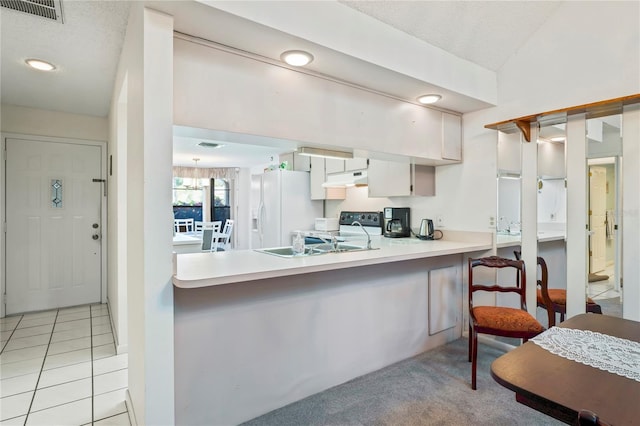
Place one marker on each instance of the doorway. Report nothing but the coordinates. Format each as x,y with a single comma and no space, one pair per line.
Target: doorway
604,203
54,251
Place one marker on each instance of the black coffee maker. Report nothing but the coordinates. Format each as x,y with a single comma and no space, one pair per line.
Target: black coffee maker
397,222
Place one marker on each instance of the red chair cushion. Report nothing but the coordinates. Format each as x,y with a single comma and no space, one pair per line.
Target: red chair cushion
558,296
506,319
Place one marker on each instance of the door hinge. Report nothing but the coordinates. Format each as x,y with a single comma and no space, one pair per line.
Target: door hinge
410,189
590,253
589,212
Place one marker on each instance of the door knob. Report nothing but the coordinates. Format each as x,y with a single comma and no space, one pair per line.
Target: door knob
95,236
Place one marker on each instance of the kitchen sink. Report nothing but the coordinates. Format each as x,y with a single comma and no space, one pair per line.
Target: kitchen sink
340,247
313,250
286,251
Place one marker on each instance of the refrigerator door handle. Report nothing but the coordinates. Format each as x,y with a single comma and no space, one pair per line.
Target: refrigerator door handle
260,220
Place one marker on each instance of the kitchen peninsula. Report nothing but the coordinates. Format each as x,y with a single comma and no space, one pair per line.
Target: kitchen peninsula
254,332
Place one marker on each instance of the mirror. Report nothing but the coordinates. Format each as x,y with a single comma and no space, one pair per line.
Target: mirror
604,161
552,205
508,183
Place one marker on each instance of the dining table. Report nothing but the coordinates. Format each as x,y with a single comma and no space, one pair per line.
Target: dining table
588,362
187,242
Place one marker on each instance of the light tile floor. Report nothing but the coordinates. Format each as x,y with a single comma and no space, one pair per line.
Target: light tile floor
603,289
60,367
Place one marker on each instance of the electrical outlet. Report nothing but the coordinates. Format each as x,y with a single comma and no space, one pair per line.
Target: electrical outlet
492,222
439,221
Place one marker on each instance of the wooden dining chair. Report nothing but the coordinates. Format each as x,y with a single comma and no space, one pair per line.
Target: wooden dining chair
589,418
555,298
498,320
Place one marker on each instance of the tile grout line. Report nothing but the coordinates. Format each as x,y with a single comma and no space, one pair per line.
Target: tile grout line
41,368
92,377
12,333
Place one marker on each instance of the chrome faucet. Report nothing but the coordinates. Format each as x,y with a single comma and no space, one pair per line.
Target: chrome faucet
365,231
333,244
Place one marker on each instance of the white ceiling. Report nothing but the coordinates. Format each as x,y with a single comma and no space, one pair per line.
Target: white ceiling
85,48
486,33
87,45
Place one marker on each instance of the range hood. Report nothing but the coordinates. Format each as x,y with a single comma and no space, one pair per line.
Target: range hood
344,179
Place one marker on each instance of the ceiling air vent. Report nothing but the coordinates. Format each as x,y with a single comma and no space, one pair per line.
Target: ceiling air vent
48,9
210,145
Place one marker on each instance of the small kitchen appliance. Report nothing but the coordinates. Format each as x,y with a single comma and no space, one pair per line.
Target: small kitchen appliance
397,222
426,230
327,224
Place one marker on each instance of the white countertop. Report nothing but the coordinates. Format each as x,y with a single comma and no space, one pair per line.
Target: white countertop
503,240
209,269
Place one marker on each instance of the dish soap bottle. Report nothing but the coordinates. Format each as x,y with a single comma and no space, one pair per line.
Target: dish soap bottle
298,244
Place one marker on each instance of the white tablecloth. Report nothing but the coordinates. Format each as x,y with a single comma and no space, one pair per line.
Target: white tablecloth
608,353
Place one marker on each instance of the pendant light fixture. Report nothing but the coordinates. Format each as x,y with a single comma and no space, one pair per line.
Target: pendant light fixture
196,174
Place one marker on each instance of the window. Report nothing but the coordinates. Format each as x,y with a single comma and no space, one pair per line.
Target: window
185,193
220,201
187,198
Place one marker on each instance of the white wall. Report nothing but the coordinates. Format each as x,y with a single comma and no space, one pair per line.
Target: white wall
586,52
147,63
31,121
273,101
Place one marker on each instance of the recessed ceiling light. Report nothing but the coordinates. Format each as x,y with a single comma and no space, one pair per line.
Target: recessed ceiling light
40,64
297,58
429,99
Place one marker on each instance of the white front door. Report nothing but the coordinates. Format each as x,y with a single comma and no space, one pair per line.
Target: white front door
597,218
54,231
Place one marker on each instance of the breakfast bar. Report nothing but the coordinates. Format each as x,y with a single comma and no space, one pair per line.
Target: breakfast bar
254,332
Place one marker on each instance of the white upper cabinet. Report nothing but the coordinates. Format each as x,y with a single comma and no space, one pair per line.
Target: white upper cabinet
389,178
297,162
355,164
551,160
509,153
451,137
320,167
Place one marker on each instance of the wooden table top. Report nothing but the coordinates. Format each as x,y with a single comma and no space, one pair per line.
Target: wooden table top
561,387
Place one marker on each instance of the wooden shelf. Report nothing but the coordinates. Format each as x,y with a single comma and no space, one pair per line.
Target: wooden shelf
600,108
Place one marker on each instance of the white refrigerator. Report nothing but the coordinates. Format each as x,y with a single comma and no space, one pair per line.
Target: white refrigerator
280,204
